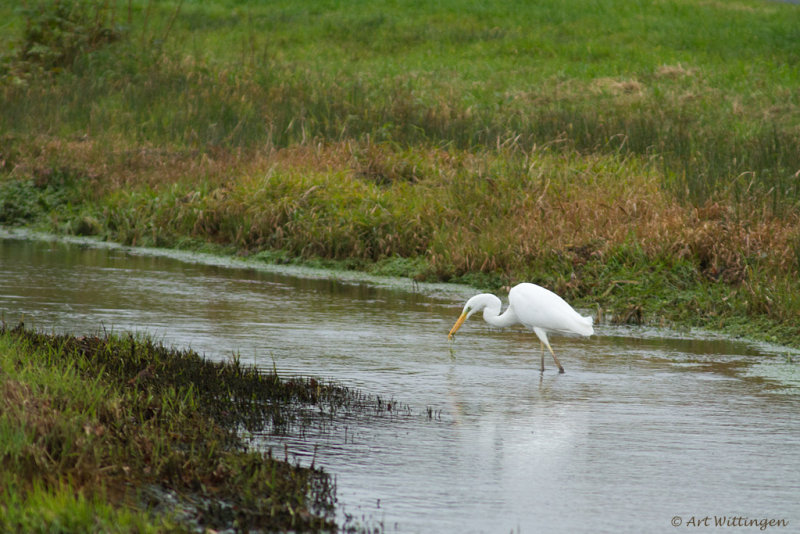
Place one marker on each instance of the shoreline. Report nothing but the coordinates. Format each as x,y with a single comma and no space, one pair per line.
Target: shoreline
149,438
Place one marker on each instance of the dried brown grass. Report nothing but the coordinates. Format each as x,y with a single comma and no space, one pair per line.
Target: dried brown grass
617,87
491,211
675,71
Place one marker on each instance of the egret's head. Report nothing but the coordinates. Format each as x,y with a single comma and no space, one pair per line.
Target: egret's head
476,303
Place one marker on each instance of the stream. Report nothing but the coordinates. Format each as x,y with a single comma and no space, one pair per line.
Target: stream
649,430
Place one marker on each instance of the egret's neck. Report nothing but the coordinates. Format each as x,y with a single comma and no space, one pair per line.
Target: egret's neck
492,315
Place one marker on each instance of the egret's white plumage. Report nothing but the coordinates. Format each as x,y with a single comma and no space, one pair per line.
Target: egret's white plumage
533,306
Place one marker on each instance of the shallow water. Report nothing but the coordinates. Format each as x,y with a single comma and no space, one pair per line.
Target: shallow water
645,428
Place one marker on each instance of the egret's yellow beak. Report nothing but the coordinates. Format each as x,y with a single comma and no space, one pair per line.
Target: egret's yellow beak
457,325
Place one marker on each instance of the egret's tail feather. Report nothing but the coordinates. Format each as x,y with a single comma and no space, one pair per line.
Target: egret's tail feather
586,328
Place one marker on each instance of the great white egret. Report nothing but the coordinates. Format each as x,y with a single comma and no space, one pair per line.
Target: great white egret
533,306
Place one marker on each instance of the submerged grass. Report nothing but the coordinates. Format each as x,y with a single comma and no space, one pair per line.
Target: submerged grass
96,433
637,157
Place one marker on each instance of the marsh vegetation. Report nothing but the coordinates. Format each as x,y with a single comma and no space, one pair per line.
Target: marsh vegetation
638,158
106,433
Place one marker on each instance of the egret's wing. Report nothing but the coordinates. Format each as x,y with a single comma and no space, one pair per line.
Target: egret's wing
538,307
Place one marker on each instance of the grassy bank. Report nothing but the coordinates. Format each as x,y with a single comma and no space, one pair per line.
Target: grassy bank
639,158
121,435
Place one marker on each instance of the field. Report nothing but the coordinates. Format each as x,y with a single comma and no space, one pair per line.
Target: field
640,158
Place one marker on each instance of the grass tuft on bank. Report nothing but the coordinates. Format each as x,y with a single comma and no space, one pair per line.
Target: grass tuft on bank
107,434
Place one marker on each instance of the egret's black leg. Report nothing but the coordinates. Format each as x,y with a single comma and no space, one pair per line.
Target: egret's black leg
542,345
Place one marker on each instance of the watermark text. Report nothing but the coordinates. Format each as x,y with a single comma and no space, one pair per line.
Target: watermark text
731,521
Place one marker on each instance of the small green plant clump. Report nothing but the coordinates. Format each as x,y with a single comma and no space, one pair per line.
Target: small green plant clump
56,34
108,434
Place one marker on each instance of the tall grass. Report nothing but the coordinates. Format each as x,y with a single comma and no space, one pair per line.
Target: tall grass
703,91
705,153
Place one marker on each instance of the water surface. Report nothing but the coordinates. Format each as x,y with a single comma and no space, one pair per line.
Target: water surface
645,428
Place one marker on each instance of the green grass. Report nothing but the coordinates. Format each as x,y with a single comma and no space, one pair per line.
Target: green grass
95,431
705,89
61,509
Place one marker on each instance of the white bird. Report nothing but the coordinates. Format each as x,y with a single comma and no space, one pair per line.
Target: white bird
533,306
